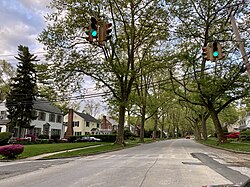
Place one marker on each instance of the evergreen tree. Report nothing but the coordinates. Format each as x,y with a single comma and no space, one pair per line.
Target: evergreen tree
22,92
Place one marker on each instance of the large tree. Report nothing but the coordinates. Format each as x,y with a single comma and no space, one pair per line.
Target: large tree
22,93
138,27
212,85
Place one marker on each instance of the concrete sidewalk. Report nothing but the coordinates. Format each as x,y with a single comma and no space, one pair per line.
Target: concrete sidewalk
54,153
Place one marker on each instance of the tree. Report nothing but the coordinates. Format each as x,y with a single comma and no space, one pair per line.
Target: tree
213,86
92,107
22,93
6,72
137,25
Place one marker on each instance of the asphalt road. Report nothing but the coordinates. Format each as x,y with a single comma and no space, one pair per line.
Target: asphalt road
172,163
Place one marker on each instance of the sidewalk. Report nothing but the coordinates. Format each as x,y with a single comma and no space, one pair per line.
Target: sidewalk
54,153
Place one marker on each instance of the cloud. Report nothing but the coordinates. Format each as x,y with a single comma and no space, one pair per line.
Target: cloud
21,22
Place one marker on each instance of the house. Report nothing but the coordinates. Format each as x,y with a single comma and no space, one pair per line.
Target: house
49,120
108,125
83,124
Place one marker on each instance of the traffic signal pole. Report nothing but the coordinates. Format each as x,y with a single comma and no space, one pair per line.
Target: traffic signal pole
239,41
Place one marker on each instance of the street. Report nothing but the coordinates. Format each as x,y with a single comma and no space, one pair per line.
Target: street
180,162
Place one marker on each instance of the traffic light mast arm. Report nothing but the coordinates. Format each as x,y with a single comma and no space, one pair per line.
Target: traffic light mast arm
240,42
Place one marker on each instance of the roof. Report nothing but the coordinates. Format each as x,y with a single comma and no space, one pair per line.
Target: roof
112,121
39,104
87,117
46,106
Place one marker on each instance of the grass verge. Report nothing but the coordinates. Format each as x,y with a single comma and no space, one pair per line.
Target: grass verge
233,145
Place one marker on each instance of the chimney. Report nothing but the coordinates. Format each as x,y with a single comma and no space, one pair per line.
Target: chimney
69,131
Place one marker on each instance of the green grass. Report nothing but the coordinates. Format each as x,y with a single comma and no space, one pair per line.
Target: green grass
88,151
233,145
38,149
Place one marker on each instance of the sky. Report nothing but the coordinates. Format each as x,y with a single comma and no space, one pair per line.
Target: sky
21,21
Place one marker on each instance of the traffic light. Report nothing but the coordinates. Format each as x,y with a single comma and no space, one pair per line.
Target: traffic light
94,27
108,30
206,52
216,51
104,32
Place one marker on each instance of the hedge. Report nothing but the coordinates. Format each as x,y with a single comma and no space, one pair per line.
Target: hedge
4,137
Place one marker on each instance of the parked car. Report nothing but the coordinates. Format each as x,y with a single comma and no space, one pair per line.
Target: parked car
88,139
93,139
233,135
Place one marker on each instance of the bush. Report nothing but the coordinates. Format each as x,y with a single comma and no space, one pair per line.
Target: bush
55,138
33,137
43,136
245,135
4,137
106,137
11,151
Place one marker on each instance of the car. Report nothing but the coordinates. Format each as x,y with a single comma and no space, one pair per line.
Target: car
94,139
233,135
88,139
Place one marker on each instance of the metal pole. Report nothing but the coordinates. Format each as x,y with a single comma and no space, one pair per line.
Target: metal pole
239,41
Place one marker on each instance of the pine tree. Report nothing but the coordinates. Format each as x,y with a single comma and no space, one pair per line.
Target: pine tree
22,93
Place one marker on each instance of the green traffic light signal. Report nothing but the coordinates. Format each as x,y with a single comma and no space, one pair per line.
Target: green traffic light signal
215,50
93,33
216,54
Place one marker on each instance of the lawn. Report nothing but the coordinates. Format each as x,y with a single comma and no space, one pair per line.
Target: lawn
38,149
231,145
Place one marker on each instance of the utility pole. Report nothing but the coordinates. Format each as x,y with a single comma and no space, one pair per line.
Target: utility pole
239,41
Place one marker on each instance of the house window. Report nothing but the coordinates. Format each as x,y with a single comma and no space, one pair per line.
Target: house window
87,124
52,117
97,125
55,131
34,113
59,119
3,115
78,133
41,116
86,133
75,123
37,131
0,129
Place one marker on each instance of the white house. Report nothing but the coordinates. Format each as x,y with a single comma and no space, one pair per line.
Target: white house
83,124
49,119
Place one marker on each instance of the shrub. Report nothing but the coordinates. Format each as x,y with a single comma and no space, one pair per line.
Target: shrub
245,135
4,137
55,138
11,151
43,136
106,137
33,137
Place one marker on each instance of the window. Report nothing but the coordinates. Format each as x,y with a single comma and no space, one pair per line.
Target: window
37,131
59,119
34,113
41,116
0,129
97,125
75,123
55,131
87,124
52,117
3,115
78,133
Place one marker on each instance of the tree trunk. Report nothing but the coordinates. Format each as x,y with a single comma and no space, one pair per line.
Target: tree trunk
217,125
162,126
143,113
204,127
120,133
155,127
197,130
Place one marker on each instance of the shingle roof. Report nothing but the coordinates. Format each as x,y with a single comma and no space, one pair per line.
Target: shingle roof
87,117
46,106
